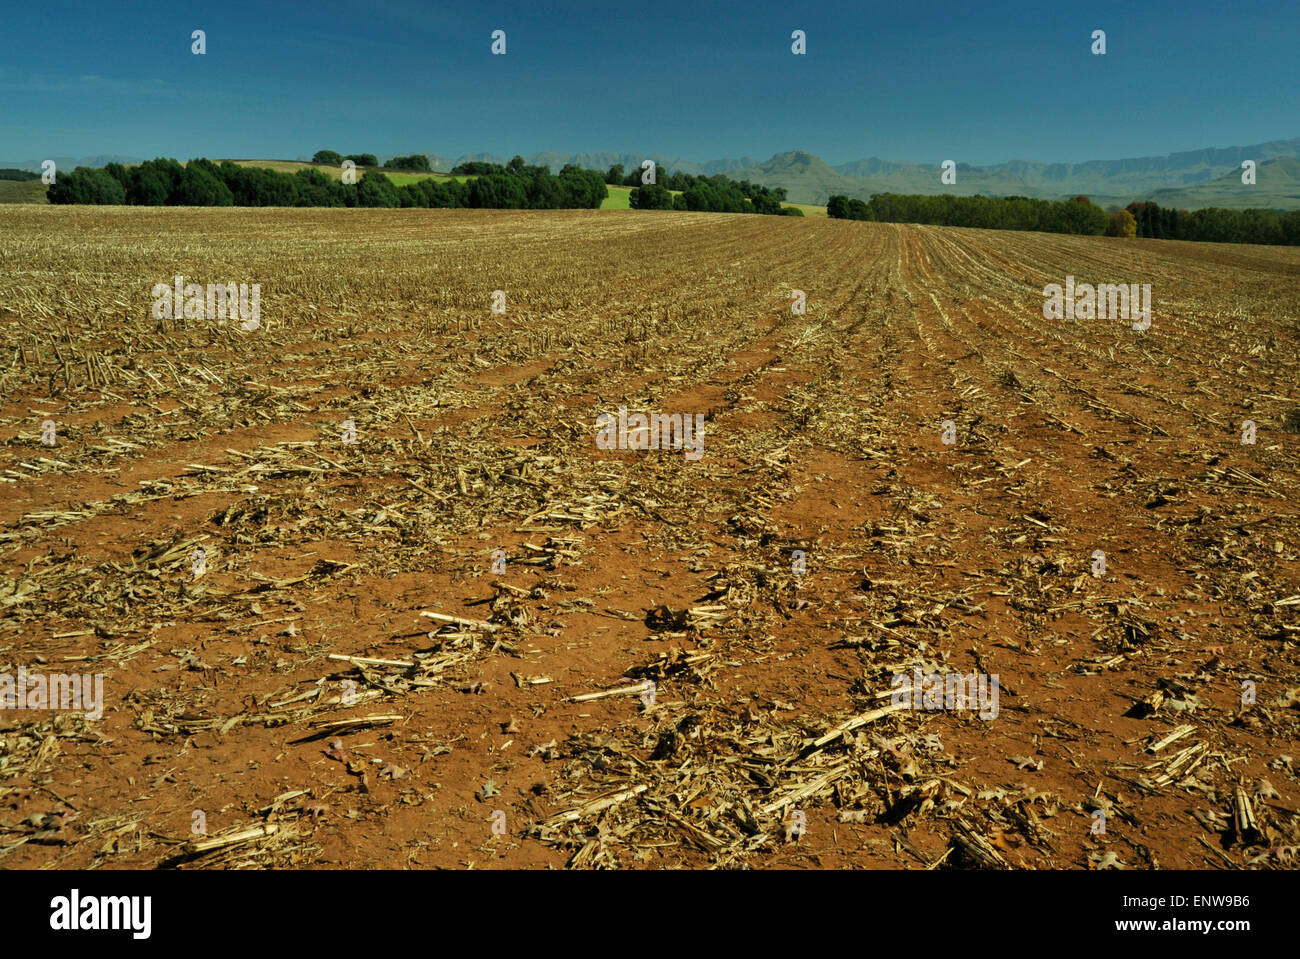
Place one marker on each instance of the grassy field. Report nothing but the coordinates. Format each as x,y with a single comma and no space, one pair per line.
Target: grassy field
618,199
22,191
679,654
808,209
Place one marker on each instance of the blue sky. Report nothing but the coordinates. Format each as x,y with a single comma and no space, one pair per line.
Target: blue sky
981,81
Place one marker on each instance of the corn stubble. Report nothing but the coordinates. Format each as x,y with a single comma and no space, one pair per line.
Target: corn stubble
650,683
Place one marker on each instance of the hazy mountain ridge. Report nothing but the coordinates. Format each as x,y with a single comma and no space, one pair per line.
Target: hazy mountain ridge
1190,179
1277,186
69,163
1209,177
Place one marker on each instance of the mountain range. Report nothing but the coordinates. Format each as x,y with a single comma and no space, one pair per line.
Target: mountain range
1191,179
1195,178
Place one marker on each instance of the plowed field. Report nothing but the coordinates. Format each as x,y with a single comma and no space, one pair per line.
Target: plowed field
1148,712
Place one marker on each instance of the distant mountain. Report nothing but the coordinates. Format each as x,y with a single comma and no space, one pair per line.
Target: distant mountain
1209,177
1146,174
69,163
1277,186
802,175
808,179
1194,178
871,166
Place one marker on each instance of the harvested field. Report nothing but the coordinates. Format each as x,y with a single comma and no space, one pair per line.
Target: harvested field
651,681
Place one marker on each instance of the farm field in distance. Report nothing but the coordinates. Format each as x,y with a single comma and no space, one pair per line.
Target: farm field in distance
22,191
398,177
296,698
619,197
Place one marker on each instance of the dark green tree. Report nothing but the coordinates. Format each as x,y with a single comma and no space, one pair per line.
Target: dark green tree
376,190
86,185
147,187
545,192
651,197
417,162
476,168
198,187
315,188
156,182
118,173
583,189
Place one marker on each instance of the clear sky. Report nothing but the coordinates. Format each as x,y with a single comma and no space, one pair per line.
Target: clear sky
979,80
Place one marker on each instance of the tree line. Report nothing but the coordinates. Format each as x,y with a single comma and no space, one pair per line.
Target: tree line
1077,215
416,162
676,180
511,186
166,182
713,194
1217,225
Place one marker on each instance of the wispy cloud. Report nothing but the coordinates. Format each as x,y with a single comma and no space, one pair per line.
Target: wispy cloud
88,84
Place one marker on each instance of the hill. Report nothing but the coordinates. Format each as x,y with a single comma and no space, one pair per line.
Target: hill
806,178
1277,186
71,163
22,191
1209,177
809,179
